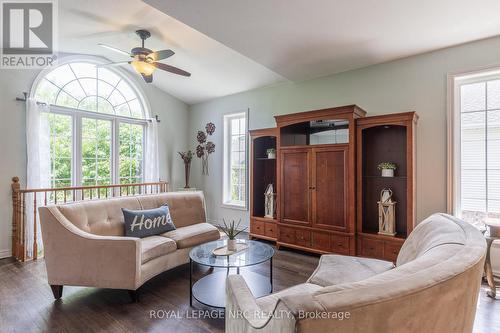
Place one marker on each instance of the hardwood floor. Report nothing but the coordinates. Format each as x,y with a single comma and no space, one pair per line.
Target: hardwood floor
27,304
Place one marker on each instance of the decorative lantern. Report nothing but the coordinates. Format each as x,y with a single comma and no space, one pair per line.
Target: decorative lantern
269,201
386,213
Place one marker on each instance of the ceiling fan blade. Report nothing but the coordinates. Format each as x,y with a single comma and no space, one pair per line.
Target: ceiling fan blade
170,69
160,55
114,49
147,78
114,64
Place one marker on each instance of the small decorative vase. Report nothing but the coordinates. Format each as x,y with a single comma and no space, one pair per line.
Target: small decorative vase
187,170
387,173
231,244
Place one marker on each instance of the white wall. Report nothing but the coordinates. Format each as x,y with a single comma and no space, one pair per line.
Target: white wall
172,138
412,84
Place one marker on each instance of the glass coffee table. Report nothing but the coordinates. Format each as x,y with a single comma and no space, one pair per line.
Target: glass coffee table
210,290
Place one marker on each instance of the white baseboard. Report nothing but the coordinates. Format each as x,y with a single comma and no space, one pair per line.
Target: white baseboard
5,254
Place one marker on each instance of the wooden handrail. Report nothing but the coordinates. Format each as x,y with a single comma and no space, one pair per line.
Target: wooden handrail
93,187
43,196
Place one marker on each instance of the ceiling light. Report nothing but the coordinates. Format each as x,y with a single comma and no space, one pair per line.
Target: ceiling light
143,67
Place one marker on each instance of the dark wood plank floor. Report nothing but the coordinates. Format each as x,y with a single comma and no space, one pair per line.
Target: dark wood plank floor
27,305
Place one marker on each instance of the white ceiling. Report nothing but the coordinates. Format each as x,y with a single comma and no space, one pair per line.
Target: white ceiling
216,69
303,39
241,45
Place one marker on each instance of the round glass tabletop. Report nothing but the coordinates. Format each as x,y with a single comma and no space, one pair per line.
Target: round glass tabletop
256,253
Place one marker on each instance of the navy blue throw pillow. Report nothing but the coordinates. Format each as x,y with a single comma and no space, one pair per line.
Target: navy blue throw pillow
147,222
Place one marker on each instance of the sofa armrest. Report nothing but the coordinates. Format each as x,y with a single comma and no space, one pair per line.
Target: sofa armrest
75,257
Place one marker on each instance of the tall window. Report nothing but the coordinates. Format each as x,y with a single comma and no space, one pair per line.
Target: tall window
97,125
477,167
235,160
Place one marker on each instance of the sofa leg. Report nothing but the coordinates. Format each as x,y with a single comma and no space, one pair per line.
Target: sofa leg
134,295
57,290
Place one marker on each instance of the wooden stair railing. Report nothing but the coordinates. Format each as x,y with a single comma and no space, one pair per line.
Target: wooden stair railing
43,196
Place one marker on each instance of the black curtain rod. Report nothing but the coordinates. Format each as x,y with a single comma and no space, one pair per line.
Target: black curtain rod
25,98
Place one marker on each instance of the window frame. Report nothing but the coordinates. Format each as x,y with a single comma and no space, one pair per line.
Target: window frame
77,115
226,161
454,83
76,153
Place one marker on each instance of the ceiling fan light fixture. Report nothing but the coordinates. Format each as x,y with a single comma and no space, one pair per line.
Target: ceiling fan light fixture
143,67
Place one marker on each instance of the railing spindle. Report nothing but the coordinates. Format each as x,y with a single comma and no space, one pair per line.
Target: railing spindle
35,243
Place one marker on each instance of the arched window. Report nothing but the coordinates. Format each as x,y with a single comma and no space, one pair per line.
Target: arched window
97,121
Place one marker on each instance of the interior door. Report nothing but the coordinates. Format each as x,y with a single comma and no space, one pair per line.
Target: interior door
329,187
295,186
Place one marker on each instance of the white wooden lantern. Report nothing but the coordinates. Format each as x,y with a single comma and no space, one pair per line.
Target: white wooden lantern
386,213
269,202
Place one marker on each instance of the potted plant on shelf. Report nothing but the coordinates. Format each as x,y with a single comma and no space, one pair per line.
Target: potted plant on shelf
387,169
271,153
231,232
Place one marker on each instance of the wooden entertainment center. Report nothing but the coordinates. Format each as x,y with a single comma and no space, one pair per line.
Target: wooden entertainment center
326,181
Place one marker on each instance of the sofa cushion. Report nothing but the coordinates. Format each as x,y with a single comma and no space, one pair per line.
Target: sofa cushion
99,217
156,246
193,235
337,269
147,222
186,208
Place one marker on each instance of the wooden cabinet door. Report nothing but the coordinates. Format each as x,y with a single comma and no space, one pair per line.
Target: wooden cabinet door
295,192
329,187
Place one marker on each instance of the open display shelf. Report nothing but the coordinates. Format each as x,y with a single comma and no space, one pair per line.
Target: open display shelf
263,173
388,138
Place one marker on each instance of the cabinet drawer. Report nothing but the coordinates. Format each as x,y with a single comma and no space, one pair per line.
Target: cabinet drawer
303,237
271,230
372,248
391,251
321,241
287,235
257,227
340,244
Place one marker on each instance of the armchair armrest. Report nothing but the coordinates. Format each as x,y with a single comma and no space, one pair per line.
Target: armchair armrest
244,313
75,257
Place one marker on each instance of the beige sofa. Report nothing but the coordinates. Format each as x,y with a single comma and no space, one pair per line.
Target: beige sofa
433,288
84,243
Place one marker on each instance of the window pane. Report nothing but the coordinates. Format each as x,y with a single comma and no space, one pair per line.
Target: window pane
46,92
61,75
235,161
131,157
480,147
96,151
125,89
66,100
104,89
83,69
108,76
473,97
77,85
61,145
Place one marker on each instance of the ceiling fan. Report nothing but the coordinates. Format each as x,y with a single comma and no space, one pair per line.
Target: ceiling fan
145,60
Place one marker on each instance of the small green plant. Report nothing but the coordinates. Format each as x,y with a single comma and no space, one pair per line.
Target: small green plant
231,230
387,165
271,151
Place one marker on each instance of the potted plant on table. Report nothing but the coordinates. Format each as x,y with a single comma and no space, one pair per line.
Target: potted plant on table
387,169
231,232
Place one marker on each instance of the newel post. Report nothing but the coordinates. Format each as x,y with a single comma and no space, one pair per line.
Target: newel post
16,216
